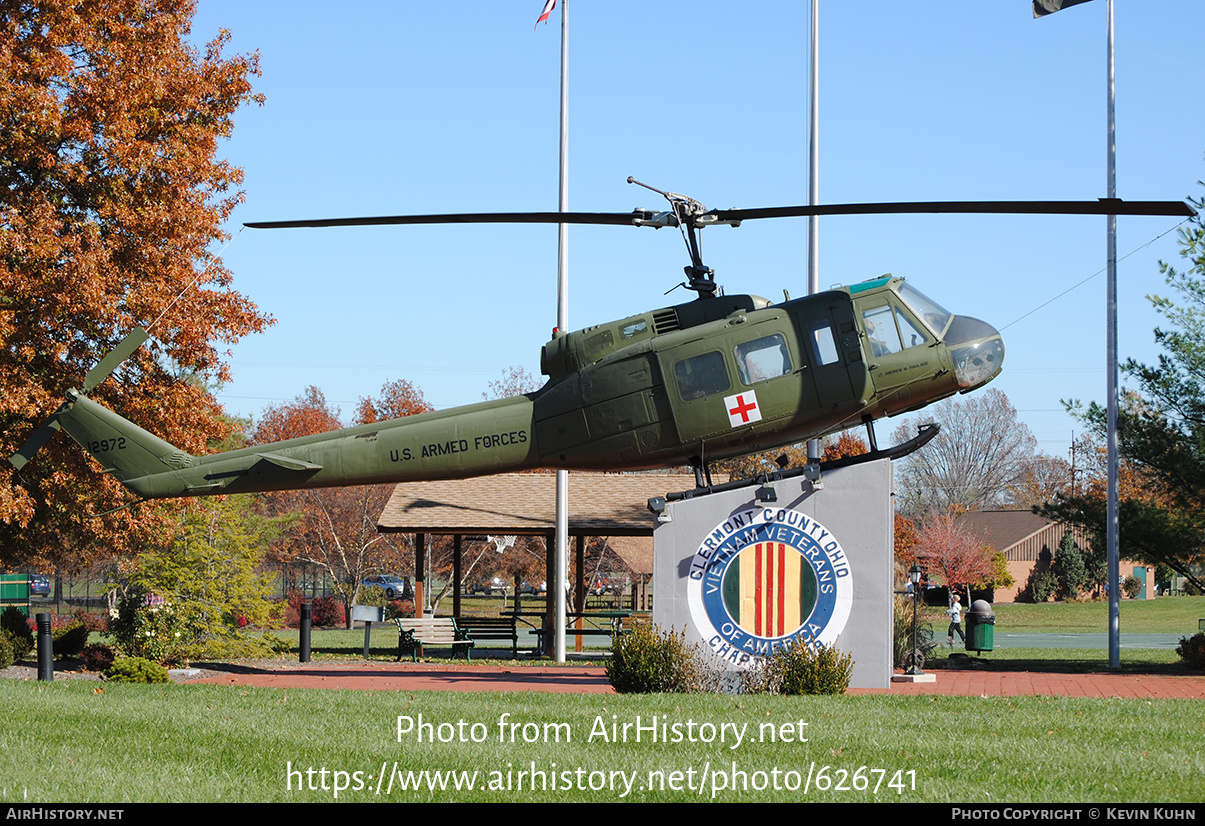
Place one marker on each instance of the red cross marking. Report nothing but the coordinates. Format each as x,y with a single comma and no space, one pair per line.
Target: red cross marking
742,408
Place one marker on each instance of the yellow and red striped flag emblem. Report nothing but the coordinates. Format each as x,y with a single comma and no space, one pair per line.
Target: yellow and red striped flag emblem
770,590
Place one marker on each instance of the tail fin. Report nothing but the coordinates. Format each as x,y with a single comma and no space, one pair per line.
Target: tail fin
122,447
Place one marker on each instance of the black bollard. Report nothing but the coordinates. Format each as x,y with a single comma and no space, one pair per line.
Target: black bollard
45,649
307,622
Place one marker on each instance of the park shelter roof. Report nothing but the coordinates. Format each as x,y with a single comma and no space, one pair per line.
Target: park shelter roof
600,504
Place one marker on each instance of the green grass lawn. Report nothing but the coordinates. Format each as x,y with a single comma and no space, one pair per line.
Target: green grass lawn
78,741
84,741
1165,615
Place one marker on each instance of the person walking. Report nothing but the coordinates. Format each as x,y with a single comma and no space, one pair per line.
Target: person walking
955,612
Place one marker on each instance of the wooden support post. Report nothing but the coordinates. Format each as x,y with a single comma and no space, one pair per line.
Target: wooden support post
420,574
579,591
457,587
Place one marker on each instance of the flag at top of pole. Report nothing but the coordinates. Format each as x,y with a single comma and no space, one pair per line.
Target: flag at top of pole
1041,8
549,5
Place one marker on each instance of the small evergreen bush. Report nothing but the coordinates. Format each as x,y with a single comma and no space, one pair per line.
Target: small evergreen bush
1132,587
14,621
69,638
802,667
648,660
1192,650
1042,586
6,649
136,670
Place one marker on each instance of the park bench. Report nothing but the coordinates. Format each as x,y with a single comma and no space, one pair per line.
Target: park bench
415,634
492,628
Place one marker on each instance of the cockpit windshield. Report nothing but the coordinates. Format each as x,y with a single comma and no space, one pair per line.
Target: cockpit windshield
933,314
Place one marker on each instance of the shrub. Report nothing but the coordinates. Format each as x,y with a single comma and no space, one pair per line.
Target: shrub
1192,651
69,638
399,608
327,611
136,670
648,660
14,621
239,647
152,631
98,623
1042,586
1132,587
97,657
6,649
903,630
802,667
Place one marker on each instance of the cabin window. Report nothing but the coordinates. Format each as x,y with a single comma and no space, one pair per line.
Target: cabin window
824,345
762,359
701,376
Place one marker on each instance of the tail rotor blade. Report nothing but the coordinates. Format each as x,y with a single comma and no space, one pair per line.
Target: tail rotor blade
95,376
34,443
114,358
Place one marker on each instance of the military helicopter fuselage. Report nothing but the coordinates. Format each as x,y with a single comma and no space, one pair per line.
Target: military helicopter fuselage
716,377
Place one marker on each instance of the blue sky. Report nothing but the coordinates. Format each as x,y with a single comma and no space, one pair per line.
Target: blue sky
407,107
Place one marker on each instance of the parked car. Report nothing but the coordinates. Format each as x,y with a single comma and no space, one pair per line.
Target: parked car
534,588
39,585
395,587
488,585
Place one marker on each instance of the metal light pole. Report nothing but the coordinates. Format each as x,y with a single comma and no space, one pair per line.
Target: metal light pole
914,574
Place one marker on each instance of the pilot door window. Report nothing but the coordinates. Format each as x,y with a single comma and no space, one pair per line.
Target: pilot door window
762,359
884,337
701,376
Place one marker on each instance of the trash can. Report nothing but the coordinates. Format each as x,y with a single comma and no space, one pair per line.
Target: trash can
981,626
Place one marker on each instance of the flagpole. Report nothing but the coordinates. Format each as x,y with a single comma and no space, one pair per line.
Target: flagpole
561,574
813,448
1113,530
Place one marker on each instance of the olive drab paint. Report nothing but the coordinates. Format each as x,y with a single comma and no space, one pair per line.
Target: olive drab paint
716,377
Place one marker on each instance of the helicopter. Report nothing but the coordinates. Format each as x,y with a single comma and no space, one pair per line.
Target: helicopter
688,384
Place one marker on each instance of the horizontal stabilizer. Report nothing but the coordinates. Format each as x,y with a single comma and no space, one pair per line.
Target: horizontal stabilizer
289,464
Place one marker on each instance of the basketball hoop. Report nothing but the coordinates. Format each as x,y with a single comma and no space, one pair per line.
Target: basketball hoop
501,543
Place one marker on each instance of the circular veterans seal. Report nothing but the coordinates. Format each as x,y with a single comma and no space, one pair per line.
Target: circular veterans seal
766,576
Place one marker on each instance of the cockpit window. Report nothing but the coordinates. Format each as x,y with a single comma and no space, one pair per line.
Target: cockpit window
889,330
880,331
762,359
933,314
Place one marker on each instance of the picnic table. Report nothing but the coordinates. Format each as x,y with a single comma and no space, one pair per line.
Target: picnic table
601,623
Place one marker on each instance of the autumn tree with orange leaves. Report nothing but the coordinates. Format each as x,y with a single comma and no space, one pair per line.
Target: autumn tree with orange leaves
335,528
958,557
112,201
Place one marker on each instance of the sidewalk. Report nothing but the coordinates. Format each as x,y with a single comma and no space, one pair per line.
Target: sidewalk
382,676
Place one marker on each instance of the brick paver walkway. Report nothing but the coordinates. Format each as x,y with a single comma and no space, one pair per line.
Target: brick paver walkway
592,680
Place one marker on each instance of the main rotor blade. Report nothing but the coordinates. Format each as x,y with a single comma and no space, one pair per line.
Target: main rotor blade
34,443
612,218
1104,206
113,358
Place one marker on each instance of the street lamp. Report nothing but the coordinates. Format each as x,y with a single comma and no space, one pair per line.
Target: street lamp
914,574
